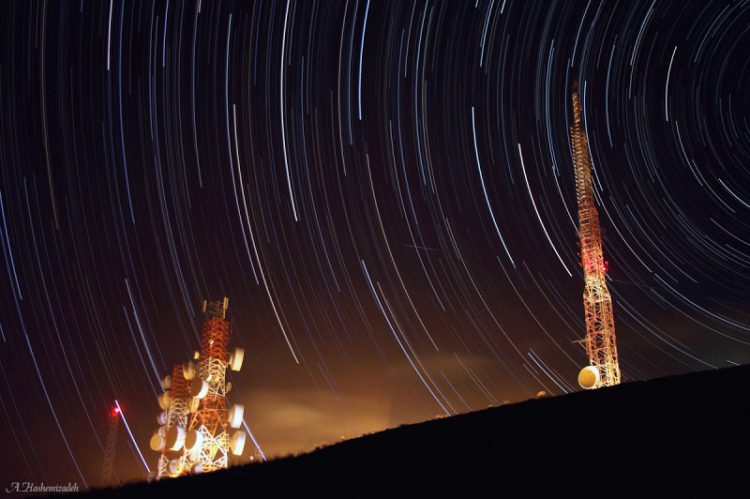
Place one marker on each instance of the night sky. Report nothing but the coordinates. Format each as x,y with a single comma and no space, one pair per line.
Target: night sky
384,191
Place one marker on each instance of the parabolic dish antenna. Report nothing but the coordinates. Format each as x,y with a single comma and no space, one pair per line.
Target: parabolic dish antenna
589,378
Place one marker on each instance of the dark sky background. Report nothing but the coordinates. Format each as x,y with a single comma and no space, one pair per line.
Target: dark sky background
384,191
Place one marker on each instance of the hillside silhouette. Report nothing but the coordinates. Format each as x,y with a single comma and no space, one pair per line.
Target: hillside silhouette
681,436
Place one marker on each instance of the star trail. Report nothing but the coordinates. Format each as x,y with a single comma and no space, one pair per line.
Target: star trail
383,189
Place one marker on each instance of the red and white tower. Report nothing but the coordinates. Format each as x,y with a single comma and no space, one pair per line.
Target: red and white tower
195,424
603,368
170,438
210,420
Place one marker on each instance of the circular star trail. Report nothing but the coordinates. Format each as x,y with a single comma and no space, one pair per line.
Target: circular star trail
383,190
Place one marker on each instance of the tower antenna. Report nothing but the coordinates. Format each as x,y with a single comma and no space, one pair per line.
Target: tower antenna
108,466
194,432
601,346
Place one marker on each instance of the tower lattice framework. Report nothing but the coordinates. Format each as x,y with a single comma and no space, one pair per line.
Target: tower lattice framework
193,436
173,463
210,417
108,465
601,345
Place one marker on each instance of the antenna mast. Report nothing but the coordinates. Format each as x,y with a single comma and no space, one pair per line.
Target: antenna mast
108,466
601,346
194,433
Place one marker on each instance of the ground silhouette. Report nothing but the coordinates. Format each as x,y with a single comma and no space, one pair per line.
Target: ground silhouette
681,436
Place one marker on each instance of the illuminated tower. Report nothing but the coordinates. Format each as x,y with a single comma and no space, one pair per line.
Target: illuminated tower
108,466
210,420
604,368
193,436
173,420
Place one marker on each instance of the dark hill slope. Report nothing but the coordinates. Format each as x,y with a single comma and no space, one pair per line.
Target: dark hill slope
685,435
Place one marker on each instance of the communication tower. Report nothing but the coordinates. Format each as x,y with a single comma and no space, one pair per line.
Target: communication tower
170,437
108,466
601,346
194,433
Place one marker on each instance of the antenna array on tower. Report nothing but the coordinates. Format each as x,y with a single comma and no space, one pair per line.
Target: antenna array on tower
193,436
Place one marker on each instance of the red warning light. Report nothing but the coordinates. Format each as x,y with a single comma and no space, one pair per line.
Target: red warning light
116,410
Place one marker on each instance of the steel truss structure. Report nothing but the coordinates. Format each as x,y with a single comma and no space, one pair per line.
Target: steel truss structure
601,345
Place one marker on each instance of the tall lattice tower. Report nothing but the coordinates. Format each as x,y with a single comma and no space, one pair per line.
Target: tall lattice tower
211,419
171,438
108,465
193,436
604,368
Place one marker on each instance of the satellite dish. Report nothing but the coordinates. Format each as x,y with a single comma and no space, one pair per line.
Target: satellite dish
235,415
589,377
175,438
157,442
199,388
235,360
188,370
197,355
228,387
166,382
237,442
194,440
162,418
165,400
